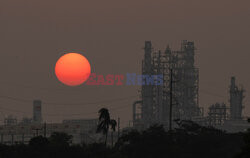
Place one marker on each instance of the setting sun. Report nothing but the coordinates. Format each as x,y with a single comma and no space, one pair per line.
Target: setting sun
72,69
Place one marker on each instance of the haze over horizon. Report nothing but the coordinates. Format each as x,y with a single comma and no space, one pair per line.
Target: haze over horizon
111,34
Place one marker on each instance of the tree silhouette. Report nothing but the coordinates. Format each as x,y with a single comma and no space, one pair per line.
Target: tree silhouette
245,149
60,139
38,142
105,122
189,140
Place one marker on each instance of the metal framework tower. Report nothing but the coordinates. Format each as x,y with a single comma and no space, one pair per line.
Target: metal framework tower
236,98
155,99
217,114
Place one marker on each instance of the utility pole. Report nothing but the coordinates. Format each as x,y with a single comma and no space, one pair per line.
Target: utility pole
118,133
12,139
23,138
112,139
171,101
44,130
2,138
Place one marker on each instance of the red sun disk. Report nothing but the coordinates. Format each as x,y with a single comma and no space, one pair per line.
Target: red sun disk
72,69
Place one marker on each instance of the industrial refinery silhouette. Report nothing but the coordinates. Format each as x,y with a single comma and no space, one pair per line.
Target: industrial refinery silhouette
178,97
167,120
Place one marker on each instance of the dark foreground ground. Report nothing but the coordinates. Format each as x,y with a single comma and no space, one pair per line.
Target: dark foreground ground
188,141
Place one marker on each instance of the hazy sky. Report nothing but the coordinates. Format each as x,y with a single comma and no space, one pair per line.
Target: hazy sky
111,34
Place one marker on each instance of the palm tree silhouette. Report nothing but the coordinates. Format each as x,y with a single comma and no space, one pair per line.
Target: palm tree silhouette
105,122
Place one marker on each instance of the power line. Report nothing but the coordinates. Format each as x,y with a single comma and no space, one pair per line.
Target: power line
58,103
15,99
90,103
77,114
84,103
212,94
12,110
111,108
47,89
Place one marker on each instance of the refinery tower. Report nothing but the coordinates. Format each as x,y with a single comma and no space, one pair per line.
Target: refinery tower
179,90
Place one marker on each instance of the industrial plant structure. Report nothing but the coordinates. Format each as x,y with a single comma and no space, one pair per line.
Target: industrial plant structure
82,130
179,90
37,111
178,97
236,100
217,114
220,114
230,117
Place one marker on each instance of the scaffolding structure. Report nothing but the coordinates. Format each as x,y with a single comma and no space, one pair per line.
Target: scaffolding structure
217,114
155,99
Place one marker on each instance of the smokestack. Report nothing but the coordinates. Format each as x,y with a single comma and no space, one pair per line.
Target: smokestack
37,111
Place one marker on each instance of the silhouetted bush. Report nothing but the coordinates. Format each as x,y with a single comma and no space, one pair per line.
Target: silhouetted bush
190,140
